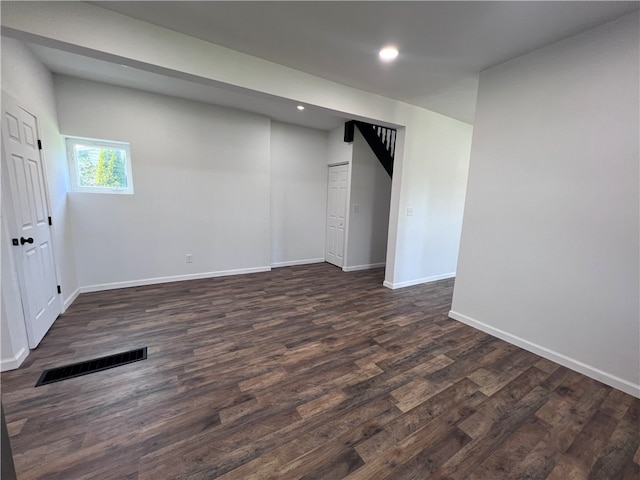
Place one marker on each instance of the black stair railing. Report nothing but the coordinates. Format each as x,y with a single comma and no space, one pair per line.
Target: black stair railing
381,140
387,136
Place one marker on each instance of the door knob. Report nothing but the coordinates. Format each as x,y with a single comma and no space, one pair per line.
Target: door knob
25,240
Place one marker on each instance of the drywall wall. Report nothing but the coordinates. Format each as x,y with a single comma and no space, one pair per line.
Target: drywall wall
29,83
549,252
428,197
339,151
298,194
14,344
201,181
370,194
430,168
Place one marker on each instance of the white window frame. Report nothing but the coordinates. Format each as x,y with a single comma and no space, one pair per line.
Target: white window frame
73,165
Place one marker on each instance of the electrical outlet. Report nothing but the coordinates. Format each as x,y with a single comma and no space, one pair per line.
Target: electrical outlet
409,212
189,258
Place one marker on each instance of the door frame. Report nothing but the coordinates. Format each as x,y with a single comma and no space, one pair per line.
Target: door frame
9,221
347,211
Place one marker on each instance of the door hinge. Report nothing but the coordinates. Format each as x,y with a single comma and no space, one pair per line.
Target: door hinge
59,289
39,144
50,223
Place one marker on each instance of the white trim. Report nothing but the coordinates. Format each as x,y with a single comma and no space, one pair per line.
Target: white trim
12,363
572,363
418,281
69,300
355,268
175,278
297,262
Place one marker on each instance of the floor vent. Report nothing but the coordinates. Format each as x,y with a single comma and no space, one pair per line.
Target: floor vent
53,375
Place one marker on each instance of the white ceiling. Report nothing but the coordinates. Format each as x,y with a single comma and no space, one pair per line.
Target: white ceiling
66,63
443,45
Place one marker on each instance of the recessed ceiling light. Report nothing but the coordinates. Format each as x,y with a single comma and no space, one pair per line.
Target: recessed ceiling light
388,54
300,107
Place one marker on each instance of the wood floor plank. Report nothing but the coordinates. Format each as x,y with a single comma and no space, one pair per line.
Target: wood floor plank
462,396
620,449
568,468
306,372
505,459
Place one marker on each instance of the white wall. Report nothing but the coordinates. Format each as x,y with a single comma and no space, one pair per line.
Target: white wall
298,194
370,194
431,181
29,82
338,151
430,168
14,344
549,252
201,181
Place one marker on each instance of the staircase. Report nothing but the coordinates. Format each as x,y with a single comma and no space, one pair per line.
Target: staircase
382,140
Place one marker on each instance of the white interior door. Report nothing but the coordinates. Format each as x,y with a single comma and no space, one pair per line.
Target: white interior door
336,214
25,203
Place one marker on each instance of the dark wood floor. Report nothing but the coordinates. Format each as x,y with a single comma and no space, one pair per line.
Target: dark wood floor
306,372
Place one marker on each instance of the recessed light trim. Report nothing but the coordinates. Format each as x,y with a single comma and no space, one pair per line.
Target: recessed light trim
388,53
300,107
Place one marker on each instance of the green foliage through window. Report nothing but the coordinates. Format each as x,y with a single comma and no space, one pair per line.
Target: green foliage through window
99,165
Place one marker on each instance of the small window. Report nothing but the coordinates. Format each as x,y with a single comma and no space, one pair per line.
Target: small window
99,166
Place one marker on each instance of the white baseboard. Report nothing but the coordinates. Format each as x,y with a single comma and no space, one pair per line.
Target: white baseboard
572,363
175,278
369,266
297,262
14,362
418,281
70,299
